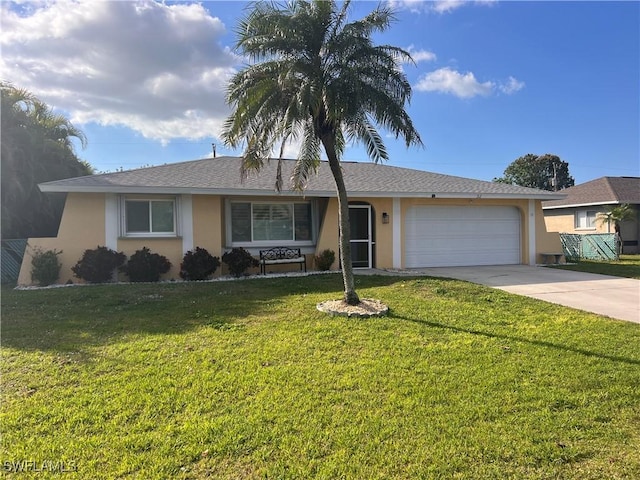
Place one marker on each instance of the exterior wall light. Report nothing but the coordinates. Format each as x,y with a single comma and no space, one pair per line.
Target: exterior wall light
385,217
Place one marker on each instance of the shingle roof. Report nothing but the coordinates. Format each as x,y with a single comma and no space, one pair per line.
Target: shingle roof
601,191
222,176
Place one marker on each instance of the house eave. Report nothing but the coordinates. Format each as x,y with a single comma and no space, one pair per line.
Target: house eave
161,190
288,193
576,205
451,195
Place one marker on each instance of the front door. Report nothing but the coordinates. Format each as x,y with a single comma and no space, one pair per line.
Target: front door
361,238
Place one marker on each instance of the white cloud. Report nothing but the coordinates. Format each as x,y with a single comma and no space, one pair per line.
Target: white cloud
464,85
411,5
511,86
446,6
158,69
446,80
421,55
438,6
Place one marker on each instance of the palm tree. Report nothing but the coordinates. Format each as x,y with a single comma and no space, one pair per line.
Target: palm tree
320,80
617,214
36,146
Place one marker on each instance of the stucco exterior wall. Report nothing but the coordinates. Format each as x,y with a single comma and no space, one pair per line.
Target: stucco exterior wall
544,240
547,239
328,237
563,220
208,224
81,227
329,231
383,231
207,232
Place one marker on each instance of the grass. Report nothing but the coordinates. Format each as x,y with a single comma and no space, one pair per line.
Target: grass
246,379
628,266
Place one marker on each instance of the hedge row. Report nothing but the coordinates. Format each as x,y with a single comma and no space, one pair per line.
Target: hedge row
99,265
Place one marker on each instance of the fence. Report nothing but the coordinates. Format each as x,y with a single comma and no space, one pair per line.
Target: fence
597,246
11,259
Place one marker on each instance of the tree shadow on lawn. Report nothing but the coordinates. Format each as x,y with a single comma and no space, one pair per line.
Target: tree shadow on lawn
71,319
539,343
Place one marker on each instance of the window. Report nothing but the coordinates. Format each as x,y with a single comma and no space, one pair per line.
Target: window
150,217
271,222
585,219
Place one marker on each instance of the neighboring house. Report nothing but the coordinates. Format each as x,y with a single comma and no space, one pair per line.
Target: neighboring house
580,211
400,218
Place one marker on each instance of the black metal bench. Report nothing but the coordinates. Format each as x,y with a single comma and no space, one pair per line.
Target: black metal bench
281,255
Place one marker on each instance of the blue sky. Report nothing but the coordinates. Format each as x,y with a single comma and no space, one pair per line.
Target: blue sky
493,80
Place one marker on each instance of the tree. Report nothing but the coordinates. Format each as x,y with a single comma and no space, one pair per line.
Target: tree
546,172
36,147
617,214
319,79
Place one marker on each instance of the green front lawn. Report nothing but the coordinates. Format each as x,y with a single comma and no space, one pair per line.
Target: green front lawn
628,266
245,379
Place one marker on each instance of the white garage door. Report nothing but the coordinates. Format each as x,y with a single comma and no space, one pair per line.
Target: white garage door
460,236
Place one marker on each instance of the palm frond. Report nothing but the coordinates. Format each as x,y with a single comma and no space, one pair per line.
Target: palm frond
319,77
308,158
364,131
617,213
376,21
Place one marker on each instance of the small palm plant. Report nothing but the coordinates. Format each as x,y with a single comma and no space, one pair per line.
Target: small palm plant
616,215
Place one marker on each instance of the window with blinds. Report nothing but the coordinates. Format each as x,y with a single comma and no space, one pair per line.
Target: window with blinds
259,222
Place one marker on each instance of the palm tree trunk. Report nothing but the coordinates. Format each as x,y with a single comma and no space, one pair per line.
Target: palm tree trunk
350,295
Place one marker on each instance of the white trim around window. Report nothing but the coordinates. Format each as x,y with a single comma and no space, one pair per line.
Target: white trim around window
585,219
154,217
111,229
265,223
186,222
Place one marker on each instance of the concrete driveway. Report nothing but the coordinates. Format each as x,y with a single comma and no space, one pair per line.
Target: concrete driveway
610,296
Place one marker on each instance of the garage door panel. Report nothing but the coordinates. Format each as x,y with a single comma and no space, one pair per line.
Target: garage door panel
461,236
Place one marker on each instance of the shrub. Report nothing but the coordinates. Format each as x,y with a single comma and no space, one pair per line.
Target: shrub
239,260
198,264
45,266
98,265
144,266
325,259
